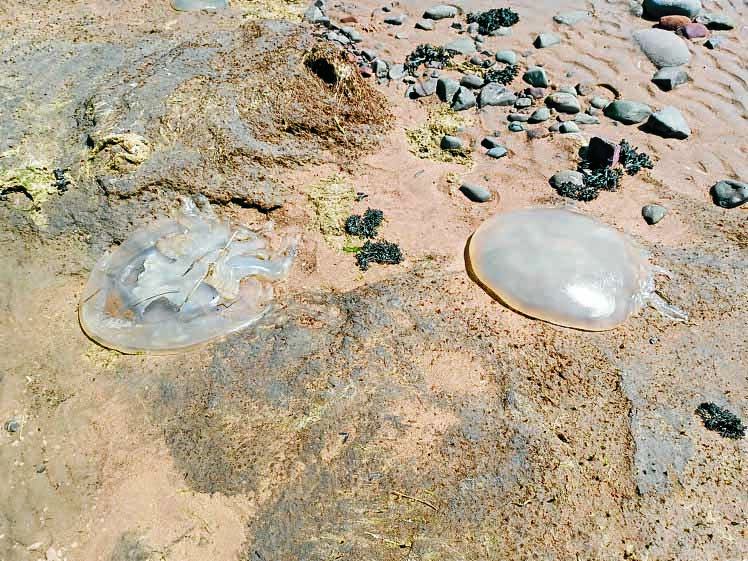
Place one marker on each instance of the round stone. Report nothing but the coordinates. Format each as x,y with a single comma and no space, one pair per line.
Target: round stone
729,194
652,214
662,47
658,8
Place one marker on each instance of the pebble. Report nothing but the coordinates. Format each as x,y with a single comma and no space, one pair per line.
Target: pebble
408,79
669,122
540,115
446,88
425,24
472,81
536,133
490,142
673,23
564,102
627,112
662,48
12,425
463,99
716,22
594,111
523,102
397,72
495,95
669,78
603,152
508,57
349,19
554,127
501,32
367,72
566,176
569,90
517,126
380,68
585,119
450,142
425,88
441,11
395,20
462,46
572,18
338,38
477,60
497,152
658,8
599,102
475,193
652,214
456,25
729,194
585,88
536,77
545,40
535,93
568,127
694,31
352,34
521,117
368,54
473,28
314,15
714,42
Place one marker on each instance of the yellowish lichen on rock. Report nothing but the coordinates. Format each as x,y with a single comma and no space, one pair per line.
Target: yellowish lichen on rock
123,150
36,183
425,141
333,202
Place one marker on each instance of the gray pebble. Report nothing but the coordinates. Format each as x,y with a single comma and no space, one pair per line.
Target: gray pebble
497,152
669,78
501,32
353,34
627,112
566,176
508,57
584,119
368,54
669,123
463,99
450,143
729,194
523,102
441,11
594,111
396,72
12,425
714,42
652,214
446,88
424,88
536,77
568,127
540,115
395,20
716,22
475,193
599,102
564,102
314,15
425,24
555,127
462,46
495,95
517,127
520,117
545,40
490,142
471,81
380,68
572,18
472,28
571,90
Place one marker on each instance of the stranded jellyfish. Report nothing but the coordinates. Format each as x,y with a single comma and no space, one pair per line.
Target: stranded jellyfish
182,281
563,267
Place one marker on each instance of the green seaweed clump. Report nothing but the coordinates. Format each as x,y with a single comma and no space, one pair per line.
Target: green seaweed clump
365,226
632,160
493,19
505,76
721,421
577,192
601,178
428,55
382,252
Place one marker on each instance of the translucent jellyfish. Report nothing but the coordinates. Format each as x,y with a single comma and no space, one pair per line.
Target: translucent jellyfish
563,267
194,5
182,281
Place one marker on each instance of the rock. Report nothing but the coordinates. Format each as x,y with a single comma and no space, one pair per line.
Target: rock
456,25
564,102
572,18
729,194
662,48
536,133
594,111
463,99
409,79
366,71
585,88
568,127
658,8
714,42
349,19
314,15
352,34
395,20
545,40
380,68
446,88
669,78
368,54
338,38
716,22
508,57
535,93
569,90
494,94
425,88
694,31
196,5
12,425
425,24
536,77
673,23
521,117
627,112
635,8
471,81
396,72
523,102
652,214
473,28
462,46
517,127
475,193
442,11
490,142
585,119
566,176
540,115
450,142
603,152
669,123
501,32
477,60
554,127
497,152
599,102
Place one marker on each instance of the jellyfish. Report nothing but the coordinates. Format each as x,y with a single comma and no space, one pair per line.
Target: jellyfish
182,281
565,268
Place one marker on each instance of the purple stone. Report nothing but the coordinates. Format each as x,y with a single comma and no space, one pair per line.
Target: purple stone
694,31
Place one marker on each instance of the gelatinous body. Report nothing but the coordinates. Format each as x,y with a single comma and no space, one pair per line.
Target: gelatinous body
194,5
563,267
181,282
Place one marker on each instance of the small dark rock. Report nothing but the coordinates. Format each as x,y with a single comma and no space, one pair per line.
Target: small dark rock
602,152
12,425
425,25
652,214
490,142
729,194
475,193
450,143
471,81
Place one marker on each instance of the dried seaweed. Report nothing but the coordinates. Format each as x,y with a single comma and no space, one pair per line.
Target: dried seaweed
493,19
721,421
602,178
381,252
505,76
577,192
428,55
632,160
365,226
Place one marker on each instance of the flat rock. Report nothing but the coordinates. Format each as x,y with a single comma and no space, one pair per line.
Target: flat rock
652,214
662,48
314,15
658,8
716,22
545,40
523,102
568,127
521,117
669,78
463,99
506,56
572,18
395,20
441,11
694,31
424,88
446,88
516,126
475,193
497,152
729,194
627,112
472,81
564,102
462,46
669,122
540,115
566,176
425,25
599,102
352,34
536,77
585,119
673,23
493,94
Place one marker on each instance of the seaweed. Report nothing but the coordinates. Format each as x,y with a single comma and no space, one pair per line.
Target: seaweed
381,252
632,160
601,178
493,19
577,192
428,55
365,226
505,76
721,421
